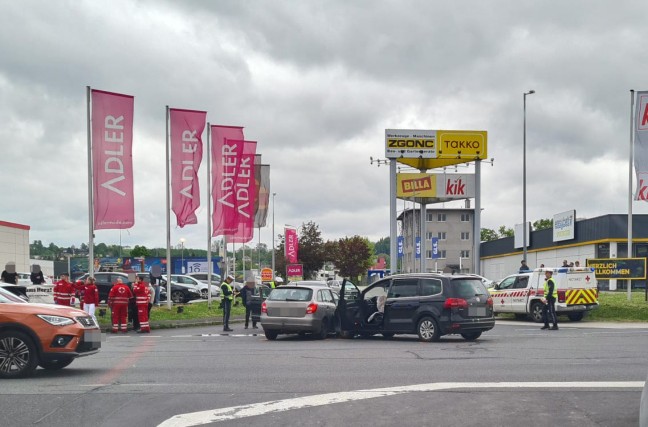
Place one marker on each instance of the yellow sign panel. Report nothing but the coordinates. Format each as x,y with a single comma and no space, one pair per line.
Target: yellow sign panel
462,144
415,185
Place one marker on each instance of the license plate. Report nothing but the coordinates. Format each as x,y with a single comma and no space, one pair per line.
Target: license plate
476,311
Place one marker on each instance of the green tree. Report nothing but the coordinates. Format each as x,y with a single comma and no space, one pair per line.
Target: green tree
382,246
488,234
543,224
311,249
140,251
506,232
354,257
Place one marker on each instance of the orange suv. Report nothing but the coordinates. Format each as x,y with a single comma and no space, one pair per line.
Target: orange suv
50,336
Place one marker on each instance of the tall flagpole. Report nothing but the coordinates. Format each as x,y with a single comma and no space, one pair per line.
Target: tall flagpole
168,212
210,268
629,290
90,183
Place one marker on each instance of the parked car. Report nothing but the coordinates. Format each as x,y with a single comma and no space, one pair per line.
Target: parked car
180,293
300,307
105,281
199,285
34,335
427,304
215,278
335,284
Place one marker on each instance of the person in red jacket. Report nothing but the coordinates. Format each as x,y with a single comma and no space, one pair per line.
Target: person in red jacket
79,289
118,298
63,291
142,296
90,299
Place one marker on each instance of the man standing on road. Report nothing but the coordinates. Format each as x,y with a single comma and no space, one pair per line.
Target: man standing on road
227,295
118,299
550,295
142,297
63,291
246,296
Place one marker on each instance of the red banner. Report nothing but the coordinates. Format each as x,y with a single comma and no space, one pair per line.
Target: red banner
291,246
187,127
226,152
245,195
112,160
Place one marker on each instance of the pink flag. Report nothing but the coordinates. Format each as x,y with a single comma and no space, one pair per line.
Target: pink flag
186,154
225,159
112,160
245,195
291,246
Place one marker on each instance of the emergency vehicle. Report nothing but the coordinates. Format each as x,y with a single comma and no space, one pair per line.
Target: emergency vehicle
522,294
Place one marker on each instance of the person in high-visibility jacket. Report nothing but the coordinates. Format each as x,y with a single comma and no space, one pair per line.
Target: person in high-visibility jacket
118,298
142,296
550,296
63,291
227,295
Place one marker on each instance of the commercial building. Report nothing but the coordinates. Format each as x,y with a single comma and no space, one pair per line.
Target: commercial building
14,245
453,229
601,237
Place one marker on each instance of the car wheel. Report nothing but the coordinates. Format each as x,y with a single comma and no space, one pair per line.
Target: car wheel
428,330
17,355
471,336
53,365
536,311
203,293
324,330
575,317
388,335
177,297
270,334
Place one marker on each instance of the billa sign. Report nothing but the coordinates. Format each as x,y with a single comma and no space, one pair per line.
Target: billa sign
442,186
618,268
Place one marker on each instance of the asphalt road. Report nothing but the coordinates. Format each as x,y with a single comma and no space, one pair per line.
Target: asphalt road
513,375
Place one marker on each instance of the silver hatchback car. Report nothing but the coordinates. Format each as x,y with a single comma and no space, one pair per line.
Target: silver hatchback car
299,308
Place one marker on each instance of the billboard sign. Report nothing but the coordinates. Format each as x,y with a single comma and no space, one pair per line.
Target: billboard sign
619,268
445,186
564,224
410,143
436,144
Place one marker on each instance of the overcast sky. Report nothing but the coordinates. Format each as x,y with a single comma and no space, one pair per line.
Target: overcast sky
316,83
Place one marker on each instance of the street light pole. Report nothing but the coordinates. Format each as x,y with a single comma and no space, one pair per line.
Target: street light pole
182,268
524,203
273,236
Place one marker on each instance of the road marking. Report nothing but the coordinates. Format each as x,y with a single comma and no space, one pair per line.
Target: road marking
262,408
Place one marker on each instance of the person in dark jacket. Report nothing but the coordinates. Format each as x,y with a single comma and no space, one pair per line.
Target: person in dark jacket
227,295
246,296
524,267
550,295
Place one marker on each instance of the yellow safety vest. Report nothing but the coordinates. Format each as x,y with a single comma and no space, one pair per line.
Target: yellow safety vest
272,284
229,287
546,289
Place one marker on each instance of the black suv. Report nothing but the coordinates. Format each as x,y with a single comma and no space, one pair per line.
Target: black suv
105,280
427,304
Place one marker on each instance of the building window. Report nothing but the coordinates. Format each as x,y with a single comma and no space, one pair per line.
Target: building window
441,217
465,217
464,254
441,235
465,235
442,254
429,216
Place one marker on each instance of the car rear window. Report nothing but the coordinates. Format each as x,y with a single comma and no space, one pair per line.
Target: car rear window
290,294
466,288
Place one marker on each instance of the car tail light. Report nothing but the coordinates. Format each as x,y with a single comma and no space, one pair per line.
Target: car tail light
561,296
312,308
455,303
489,301
264,308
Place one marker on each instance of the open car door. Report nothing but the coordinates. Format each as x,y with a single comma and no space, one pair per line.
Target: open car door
258,296
348,308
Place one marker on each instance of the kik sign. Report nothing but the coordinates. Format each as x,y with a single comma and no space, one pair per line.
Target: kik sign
441,186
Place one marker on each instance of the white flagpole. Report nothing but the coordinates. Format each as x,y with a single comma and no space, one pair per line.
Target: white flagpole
209,224
90,183
168,210
629,285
